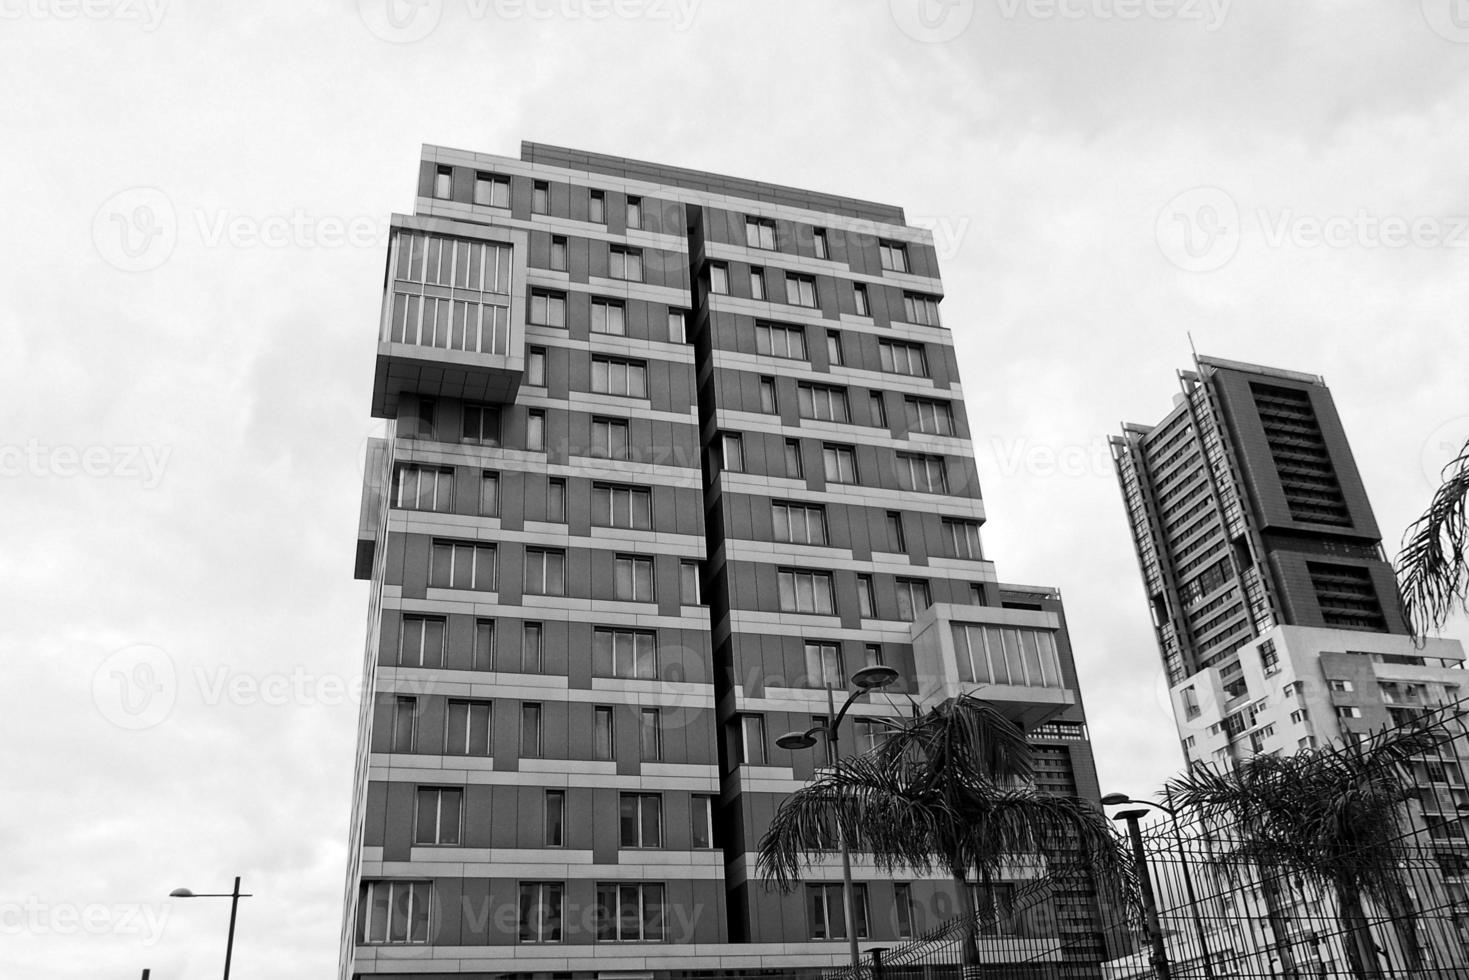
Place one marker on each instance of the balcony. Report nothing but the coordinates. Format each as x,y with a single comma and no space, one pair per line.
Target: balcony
453,317
1009,656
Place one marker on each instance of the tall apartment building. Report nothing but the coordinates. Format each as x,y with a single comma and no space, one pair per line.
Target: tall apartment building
668,455
1277,615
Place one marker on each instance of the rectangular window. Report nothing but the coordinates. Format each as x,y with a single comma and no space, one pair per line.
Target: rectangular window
540,911
532,648
558,254
556,500
618,506
864,304
768,403
760,233
610,439
1009,655
624,653
484,645
545,571
489,494
461,565
393,912
1341,687
752,740
547,308
927,415
634,213
826,911
424,487
800,290
798,523
825,403
1346,711
438,816
421,641
1269,659
896,539
872,655
824,666
921,309
535,367
922,473
540,198
794,470
530,731
731,452
405,728
820,244
960,538
894,256
482,425
555,822
650,735
701,813
778,340
467,728
840,463
491,191
608,316
690,592
913,598
602,735
633,578
719,278
866,601
677,333
805,592
596,207
626,263
444,183
879,410
615,376
903,909
834,348
629,913
898,357
757,282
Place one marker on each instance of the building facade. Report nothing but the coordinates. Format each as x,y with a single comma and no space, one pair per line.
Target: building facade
668,456
1277,616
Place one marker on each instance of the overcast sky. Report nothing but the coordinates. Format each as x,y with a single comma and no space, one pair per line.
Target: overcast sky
195,199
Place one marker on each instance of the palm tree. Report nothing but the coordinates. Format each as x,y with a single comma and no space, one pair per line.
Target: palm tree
1331,815
948,789
1432,567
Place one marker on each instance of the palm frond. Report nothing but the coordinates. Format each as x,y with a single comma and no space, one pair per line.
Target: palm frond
1432,570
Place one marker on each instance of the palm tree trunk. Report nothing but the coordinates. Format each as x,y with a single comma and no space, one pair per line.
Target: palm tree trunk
1405,926
1361,950
968,944
1279,926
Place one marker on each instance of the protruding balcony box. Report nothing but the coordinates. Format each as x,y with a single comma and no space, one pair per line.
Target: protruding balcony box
372,521
453,317
1025,682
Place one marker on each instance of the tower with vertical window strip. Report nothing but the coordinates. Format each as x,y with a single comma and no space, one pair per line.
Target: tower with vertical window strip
668,457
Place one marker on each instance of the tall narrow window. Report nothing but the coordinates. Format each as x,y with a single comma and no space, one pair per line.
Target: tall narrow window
834,348
732,452
634,213
484,645
530,731
540,198
866,601
701,809
535,367
535,430
677,332
558,257
879,410
793,459
903,909
650,735
597,207
752,740
443,183
405,716
602,732
556,500
757,282
767,396
864,305
718,278
689,589
532,648
820,244
489,494
555,823
896,539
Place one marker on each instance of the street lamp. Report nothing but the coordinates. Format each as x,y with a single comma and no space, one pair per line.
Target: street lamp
234,898
867,679
1150,904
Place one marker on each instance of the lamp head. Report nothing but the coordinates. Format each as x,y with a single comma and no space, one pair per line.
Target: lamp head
180,893
796,740
874,678
1112,799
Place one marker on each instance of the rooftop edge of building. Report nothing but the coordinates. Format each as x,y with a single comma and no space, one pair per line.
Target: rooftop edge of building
1248,368
601,163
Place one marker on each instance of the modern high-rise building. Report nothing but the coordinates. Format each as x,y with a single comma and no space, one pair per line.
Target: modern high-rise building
668,456
1277,616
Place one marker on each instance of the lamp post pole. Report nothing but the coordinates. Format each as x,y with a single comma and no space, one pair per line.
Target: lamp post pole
1145,882
865,680
234,897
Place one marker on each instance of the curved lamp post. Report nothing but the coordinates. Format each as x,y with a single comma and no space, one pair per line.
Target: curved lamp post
1114,799
234,898
867,679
